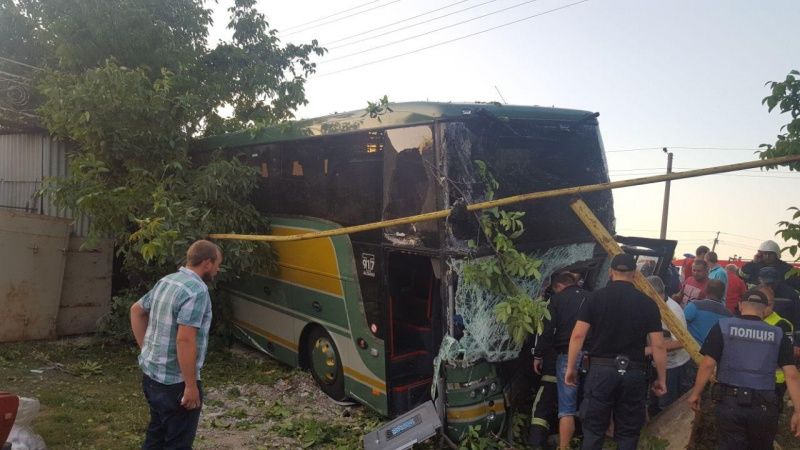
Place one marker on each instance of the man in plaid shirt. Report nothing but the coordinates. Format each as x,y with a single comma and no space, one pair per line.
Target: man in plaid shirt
171,324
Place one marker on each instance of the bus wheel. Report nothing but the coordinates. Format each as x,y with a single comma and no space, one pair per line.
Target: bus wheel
325,363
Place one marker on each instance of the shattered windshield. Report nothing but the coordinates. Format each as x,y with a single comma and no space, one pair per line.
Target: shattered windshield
524,157
531,156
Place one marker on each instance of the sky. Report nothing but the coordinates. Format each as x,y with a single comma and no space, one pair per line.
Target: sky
686,75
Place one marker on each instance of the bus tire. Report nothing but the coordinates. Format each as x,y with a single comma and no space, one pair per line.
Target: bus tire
325,363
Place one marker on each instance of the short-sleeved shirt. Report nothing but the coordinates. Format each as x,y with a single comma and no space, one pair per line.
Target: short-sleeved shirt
714,345
677,357
620,317
178,299
736,289
701,315
563,308
692,290
719,273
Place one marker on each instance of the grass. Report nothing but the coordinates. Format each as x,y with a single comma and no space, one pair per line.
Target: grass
90,389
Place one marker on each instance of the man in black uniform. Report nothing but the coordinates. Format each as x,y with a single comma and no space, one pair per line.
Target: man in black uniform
746,352
621,319
554,343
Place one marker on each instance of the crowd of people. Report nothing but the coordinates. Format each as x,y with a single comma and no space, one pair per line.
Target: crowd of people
746,322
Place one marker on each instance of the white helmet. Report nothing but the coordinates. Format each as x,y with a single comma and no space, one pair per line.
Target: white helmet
770,246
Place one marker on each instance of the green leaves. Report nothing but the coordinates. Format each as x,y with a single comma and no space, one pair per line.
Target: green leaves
129,84
521,314
785,96
376,109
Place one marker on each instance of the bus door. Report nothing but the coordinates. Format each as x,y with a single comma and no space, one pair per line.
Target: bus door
413,309
653,257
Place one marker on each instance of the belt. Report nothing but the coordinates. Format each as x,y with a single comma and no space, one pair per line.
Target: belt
611,362
733,391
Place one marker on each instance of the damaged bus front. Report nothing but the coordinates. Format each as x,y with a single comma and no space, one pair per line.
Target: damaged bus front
385,317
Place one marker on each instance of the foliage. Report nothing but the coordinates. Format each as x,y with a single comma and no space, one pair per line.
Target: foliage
521,314
785,96
376,109
475,440
130,84
649,442
116,324
313,433
86,369
519,427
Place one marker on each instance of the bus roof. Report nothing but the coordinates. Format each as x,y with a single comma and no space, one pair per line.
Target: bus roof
409,113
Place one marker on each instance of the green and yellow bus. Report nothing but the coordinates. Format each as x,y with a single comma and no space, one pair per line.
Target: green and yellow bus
367,313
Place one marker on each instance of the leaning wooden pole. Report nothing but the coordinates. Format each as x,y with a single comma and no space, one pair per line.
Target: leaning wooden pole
511,200
612,248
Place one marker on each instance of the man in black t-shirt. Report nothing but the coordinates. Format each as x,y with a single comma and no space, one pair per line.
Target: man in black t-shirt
621,319
746,352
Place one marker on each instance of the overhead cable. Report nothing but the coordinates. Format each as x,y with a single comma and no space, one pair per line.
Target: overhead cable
406,27
400,41
329,16
438,44
734,149
342,18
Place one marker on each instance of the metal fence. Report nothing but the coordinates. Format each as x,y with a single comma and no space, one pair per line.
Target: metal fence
25,161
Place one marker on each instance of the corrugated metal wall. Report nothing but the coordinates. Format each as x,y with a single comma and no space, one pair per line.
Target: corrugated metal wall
25,160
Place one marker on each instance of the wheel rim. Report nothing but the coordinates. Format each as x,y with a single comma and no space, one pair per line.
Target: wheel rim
324,360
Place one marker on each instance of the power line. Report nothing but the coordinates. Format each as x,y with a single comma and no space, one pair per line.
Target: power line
451,40
773,177
329,16
342,18
740,244
743,236
694,168
732,149
427,32
401,21
671,231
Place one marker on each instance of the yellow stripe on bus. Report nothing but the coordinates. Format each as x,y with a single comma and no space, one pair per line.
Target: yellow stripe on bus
266,334
369,381
310,263
472,413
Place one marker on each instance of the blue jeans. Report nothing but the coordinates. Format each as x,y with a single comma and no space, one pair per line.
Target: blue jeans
567,395
172,427
677,385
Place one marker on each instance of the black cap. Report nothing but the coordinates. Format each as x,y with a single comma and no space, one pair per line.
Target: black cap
623,262
755,296
768,275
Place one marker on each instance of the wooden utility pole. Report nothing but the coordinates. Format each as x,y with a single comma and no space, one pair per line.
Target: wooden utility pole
611,247
716,241
512,200
665,209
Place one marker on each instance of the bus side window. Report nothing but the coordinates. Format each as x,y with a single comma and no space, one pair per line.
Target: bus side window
354,178
409,172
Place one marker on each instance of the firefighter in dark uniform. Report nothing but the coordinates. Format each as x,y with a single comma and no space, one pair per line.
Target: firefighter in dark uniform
746,352
621,320
550,356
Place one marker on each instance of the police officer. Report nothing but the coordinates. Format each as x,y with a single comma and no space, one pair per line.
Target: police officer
746,352
621,320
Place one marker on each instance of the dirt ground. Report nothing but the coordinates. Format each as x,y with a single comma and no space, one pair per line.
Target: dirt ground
291,413
90,395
